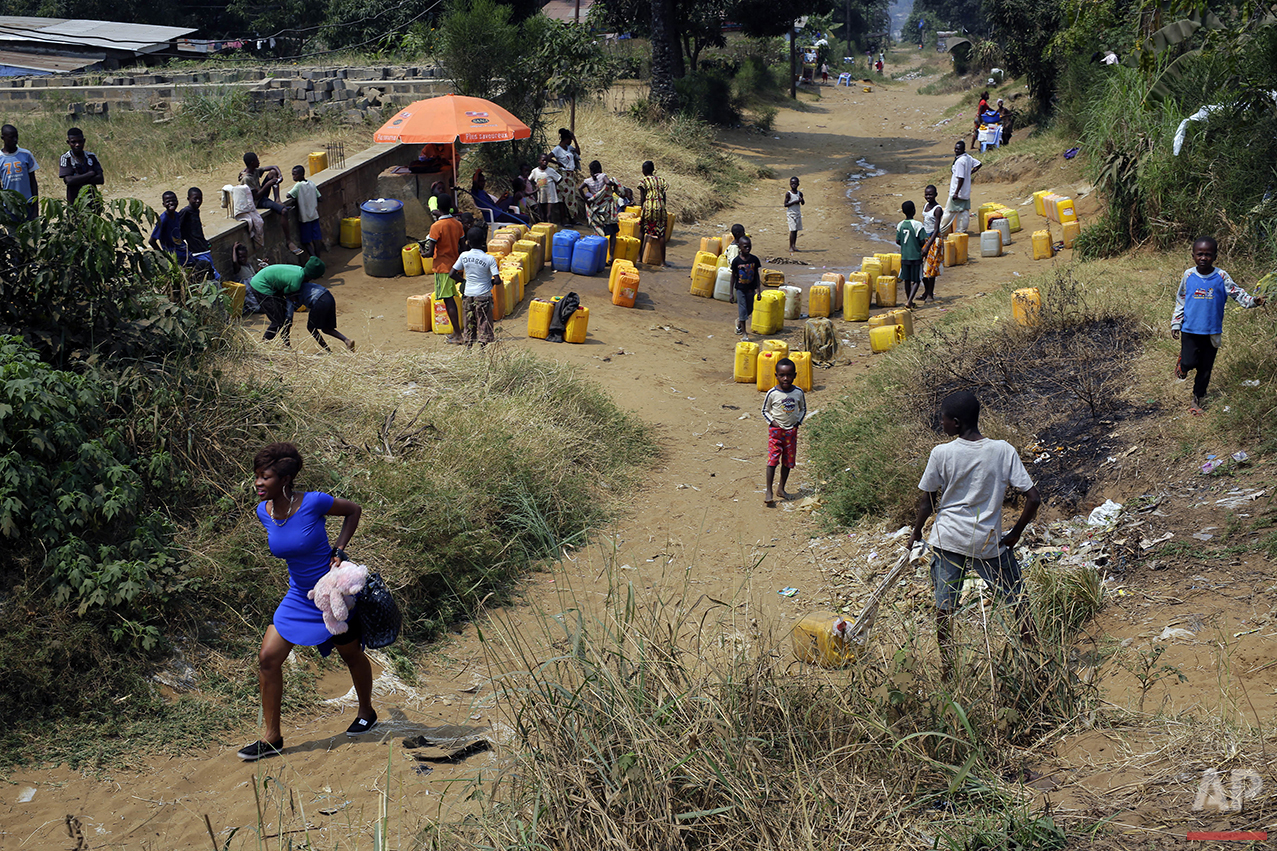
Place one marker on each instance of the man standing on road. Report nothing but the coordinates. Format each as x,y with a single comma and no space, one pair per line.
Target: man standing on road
79,168
18,168
958,211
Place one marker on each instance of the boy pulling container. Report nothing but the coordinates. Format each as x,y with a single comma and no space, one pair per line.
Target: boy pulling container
965,483
1198,321
784,408
909,236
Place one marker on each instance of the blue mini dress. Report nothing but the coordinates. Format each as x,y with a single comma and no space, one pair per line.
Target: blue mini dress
302,542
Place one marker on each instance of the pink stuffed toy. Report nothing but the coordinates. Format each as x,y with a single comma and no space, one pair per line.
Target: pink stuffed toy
335,592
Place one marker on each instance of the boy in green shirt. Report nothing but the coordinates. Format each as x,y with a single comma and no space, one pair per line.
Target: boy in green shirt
909,236
275,284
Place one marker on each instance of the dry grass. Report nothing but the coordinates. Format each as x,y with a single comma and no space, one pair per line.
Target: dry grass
136,152
470,467
660,719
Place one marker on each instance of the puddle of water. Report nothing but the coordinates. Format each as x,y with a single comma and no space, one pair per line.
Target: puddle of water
863,223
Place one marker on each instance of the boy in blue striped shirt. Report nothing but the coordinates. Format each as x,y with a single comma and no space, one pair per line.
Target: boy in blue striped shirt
1198,321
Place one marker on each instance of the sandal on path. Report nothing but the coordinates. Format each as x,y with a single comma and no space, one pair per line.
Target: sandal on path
258,750
361,726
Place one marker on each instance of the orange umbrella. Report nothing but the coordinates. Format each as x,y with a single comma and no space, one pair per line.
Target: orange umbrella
447,119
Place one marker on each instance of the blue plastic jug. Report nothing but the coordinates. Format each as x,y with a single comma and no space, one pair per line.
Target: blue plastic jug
589,256
561,253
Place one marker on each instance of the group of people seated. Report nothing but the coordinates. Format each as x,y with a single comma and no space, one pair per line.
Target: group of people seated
550,190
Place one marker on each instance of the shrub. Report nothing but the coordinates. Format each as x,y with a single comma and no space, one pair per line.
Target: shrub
707,95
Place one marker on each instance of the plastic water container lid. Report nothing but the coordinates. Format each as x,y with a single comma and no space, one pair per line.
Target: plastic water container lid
382,205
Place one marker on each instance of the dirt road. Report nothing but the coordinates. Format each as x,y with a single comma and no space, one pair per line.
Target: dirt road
697,526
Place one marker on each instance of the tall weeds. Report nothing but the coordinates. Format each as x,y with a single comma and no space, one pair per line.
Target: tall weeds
670,721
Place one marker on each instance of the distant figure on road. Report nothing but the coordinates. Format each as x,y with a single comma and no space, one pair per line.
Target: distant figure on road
794,202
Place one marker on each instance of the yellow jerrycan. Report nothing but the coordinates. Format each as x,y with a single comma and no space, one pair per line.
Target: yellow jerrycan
855,302
317,161
885,337
577,326
871,267
766,378
419,313
1026,306
779,346
802,369
1042,248
618,266
412,260
886,290
712,244
440,321
904,318
703,277
1039,202
820,300
540,311
820,638
745,370
1071,232
351,233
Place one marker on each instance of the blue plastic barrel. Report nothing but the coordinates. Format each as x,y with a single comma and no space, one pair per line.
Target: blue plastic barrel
589,255
382,224
561,251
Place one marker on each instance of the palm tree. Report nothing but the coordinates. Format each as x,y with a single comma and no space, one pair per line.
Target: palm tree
665,53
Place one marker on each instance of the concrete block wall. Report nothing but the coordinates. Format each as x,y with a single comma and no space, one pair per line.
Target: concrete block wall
342,191
353,93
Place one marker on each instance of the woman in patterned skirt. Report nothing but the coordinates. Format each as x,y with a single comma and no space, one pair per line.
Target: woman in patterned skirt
655,215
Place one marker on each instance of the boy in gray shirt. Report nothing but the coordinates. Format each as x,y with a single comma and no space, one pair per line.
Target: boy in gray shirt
965,483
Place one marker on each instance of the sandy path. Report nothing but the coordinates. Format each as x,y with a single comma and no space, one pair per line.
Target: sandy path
698,521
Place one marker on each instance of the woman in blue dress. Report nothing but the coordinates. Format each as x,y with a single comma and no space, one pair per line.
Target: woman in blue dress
295,530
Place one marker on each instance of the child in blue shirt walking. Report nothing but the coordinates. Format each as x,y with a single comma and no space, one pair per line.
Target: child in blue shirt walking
1198,321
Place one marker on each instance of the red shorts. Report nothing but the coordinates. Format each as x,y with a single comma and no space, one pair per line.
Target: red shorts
782,446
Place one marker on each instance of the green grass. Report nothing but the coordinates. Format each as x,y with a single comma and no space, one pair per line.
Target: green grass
470,471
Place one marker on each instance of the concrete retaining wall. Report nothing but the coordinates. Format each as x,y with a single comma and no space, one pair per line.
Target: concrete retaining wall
310,92
343,190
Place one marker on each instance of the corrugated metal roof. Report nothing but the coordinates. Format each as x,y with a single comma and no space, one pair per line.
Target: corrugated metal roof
565,10
49,63
109,35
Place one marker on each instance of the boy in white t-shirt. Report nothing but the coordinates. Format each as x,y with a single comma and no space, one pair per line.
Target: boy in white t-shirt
965,483
476,270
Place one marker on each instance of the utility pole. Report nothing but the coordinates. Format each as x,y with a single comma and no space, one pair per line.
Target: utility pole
793,61
847,23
